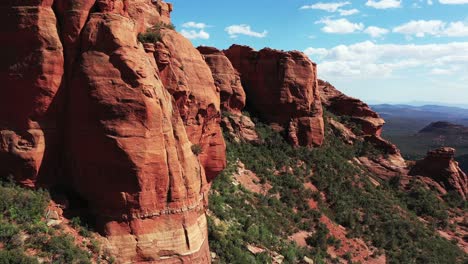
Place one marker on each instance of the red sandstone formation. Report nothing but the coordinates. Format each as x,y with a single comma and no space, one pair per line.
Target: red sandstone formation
86,108
282,89
31,73
186,76
342,105
226,78
370,123
441,166
233,98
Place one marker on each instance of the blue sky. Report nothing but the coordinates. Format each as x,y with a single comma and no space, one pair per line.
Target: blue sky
377,50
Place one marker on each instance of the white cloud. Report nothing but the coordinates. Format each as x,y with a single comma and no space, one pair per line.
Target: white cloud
375,32
429,2
319,52
192,24
340,26
453,2
194,34
421,28
367,60
194,30
439,71
235,30
348,12
329,7
384,4
456,29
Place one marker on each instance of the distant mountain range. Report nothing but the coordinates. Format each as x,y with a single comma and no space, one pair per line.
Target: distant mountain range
418,129
404,119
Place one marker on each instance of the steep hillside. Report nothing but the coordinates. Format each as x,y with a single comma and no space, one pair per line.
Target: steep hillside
276,202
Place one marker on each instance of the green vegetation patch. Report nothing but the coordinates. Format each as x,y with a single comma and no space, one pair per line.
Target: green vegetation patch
23,229
382,215
153,34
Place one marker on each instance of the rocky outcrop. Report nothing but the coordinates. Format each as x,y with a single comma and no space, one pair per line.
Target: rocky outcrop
281,88
233,98
87,108
240,128
359,122
441,166
226,78
186,76
343,105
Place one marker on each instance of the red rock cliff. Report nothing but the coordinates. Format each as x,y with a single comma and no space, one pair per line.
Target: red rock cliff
226,78
282,88
86,106
340,104
186,76
31,72
440,165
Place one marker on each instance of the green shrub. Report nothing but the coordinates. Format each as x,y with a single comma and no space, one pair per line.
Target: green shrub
15,257
197,149
153,34
63,250
7,231
149,37
22,205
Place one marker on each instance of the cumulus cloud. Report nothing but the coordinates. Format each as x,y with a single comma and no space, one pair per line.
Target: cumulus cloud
348,12
333,8
384,4
192,24
194,34
329,7
194,30
367,59
340,26
421,28
375,32
235,30
453,2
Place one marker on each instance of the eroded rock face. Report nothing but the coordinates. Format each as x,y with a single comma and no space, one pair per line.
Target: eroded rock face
31,74
240,128
227,79
282,88
343,105
187,77
369,126
147,13
125,147
440,165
